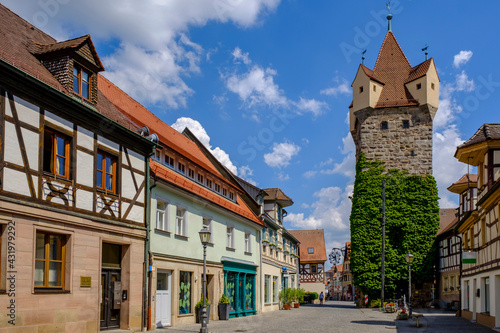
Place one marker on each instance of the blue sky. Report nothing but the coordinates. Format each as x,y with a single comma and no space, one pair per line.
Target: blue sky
266,84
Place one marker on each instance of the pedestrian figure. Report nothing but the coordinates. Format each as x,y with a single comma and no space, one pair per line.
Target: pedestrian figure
321,296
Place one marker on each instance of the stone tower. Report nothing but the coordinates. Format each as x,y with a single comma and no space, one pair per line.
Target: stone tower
392,109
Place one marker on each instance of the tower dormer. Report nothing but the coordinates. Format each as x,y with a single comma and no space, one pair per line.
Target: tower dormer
393,107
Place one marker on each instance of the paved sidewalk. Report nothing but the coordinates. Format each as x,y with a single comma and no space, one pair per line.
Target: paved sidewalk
337,316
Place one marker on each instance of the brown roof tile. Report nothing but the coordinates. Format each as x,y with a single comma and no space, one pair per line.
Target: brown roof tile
484,133
314,239
277,194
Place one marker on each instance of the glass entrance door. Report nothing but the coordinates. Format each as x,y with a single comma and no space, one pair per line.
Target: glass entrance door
110,305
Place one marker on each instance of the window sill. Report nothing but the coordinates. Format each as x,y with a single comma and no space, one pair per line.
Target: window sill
111,194
248,253
51,291
58,178
161,231
232,249
181,237
185,315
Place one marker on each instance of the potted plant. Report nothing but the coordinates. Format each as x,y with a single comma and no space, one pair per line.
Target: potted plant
299,297
224,307
199,308
285,298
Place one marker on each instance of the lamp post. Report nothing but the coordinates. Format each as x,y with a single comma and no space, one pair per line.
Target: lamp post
409,260
205,239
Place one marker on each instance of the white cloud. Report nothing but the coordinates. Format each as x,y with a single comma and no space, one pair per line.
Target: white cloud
283,177
246,172
343,87
463,83
310,174
152,64
281,155
197,129
317,108
239,55
462,58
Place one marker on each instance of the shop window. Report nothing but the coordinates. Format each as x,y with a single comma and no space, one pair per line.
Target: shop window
106,172
50,256
56,153
161,215
185,293
81,82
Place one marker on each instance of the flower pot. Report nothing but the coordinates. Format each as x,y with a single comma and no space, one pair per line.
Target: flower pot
224,309
296,305
199,313
287,306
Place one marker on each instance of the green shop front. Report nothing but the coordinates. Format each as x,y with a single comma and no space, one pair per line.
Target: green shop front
239,286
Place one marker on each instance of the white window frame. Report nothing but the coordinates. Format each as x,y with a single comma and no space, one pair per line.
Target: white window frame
248,242
181,168
230,237
181,222
267,281
171,161
209,227
165,225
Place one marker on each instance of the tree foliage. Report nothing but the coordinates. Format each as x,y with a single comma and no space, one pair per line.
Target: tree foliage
412,221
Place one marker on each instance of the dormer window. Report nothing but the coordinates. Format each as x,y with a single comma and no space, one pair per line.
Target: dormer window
81,82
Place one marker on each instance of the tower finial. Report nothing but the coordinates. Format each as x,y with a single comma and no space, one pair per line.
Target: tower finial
425,49
389,17
363,57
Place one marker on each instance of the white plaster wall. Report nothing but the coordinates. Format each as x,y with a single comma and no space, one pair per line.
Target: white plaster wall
31,144
476,304
16,182
108,143
85,169
136,214
85,138
84,199
8,111
128,188
27,112
56,120
12,150
137,160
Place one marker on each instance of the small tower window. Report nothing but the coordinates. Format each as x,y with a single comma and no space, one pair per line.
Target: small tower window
406,124
360,89
432,86
419,86
412,153
384,125
374,88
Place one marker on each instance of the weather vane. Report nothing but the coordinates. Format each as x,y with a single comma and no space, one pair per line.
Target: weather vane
425,50
388,4
389,17
363,57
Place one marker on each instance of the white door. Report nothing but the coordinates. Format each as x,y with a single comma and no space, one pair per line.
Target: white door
163,299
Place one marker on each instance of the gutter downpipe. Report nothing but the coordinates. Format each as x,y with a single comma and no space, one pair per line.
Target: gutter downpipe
146,303
261,279
460,276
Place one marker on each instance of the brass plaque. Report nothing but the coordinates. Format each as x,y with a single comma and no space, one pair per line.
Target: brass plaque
85,281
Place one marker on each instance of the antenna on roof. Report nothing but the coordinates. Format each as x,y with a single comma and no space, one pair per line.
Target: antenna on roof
363,57
425,49
389,17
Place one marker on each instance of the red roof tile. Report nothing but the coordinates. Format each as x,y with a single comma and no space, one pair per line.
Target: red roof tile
143,117
172,177
314,239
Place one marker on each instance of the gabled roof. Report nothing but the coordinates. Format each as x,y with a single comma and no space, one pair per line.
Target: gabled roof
70,44
185,183
448,217
308,239
276,194
484,133
143,117
17,38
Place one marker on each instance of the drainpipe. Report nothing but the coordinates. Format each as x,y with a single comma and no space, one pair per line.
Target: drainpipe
260,266
146,322
460,277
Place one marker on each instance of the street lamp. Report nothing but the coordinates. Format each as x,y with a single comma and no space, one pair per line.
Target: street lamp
409,260
205,239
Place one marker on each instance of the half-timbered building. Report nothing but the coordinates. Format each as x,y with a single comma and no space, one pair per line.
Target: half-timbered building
73,190
448,265
312,258
480,286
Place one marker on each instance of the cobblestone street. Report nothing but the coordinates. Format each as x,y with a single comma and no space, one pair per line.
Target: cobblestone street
335,316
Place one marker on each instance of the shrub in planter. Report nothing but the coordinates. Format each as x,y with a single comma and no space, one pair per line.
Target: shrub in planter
199,308
224,307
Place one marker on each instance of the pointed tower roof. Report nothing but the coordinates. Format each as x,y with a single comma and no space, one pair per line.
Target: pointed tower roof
393,68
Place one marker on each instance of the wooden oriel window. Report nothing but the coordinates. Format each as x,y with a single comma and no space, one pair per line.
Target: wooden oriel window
81,82
106,172
50,256
56,153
